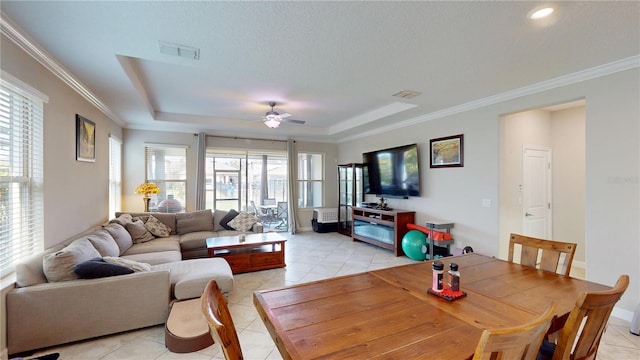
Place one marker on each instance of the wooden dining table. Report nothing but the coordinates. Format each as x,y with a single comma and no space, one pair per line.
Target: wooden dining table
388,313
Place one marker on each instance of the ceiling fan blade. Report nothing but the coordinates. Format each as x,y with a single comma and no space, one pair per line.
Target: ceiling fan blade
292,121
285,115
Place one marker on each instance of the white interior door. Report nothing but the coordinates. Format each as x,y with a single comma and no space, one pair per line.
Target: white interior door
536,192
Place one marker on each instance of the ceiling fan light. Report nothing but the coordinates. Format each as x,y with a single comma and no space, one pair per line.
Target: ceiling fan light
271,122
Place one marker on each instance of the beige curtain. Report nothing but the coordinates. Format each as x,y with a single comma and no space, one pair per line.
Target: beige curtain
201,201
292,161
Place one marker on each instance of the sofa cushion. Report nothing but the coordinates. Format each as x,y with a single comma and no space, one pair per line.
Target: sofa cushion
224,222
98,268
168,219
139,233
170,243
243,222
30,271
194,221
196,240
156,227
131,264
120,235
104,243
230,233
58,266
217,217
160,257
123,220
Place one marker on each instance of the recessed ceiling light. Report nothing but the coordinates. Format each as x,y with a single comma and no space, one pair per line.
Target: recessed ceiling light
541,13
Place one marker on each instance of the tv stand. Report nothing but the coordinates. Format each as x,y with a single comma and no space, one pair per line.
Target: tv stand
383,228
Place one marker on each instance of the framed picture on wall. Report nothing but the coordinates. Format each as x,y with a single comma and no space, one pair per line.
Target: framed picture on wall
447,151
85,139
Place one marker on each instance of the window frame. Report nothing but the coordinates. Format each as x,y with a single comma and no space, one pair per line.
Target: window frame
300,181
162,183
22,175
115,175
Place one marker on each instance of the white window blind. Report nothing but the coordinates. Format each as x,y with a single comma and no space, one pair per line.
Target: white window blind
166,166
310,180
115,174
21,174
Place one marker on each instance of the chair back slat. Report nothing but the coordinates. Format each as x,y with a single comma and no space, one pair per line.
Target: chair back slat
543,254
520,342
596,307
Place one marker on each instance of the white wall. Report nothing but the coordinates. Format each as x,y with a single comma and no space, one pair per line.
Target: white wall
568,139
612,237
133,171
528,128
563,132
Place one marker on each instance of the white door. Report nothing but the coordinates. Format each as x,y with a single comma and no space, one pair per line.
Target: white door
536,192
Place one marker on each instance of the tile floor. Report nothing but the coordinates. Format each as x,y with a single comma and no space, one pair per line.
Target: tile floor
310,256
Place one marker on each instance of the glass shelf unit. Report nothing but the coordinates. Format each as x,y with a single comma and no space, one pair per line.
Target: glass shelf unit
351,193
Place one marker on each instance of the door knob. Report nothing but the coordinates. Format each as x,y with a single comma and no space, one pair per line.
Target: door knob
527,214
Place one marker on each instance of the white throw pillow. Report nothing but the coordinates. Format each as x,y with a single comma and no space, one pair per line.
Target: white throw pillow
243,222
133,265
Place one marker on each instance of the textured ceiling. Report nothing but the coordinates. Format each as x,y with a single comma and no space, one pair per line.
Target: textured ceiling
333,64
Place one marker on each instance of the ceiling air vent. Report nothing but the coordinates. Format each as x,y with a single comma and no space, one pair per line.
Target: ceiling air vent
179,50
407,94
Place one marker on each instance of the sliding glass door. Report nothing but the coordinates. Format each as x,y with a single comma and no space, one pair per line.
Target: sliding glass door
253,181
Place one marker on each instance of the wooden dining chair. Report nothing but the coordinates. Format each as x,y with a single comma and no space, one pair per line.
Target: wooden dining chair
586,323
551,253
520,342
215,310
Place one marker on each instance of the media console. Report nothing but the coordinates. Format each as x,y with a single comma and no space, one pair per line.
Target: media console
383,228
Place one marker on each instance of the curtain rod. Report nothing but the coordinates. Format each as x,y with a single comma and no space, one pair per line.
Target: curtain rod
243,138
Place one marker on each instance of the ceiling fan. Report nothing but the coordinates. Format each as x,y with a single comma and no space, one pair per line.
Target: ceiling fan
273,119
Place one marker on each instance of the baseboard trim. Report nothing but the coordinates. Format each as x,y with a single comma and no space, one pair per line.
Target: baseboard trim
622,314
579,264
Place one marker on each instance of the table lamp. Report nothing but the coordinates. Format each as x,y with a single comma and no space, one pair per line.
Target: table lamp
146,189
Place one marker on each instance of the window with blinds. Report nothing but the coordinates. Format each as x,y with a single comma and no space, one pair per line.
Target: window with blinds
166,166
310,180
115,174
21,172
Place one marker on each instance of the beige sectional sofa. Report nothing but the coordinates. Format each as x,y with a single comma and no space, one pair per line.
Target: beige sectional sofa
51,305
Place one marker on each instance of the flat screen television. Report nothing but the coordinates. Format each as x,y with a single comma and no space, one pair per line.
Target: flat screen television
393,172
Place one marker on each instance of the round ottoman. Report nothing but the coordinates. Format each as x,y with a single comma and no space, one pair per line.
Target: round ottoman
186,329
190,277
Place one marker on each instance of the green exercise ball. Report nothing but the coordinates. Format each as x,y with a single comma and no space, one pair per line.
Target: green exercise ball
412,243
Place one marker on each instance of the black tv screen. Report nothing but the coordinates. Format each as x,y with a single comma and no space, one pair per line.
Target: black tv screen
392,172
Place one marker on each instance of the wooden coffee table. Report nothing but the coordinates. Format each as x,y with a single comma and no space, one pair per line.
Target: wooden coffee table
257,251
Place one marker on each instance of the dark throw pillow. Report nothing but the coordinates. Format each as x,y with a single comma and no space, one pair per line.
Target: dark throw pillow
98,268
224,222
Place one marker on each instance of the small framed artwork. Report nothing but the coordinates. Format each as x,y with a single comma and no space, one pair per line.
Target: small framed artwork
447,151
85,139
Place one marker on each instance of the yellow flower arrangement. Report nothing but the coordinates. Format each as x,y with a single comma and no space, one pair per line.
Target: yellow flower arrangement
147,188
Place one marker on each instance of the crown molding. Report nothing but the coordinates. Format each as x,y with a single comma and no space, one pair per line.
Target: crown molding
573,78
11,31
